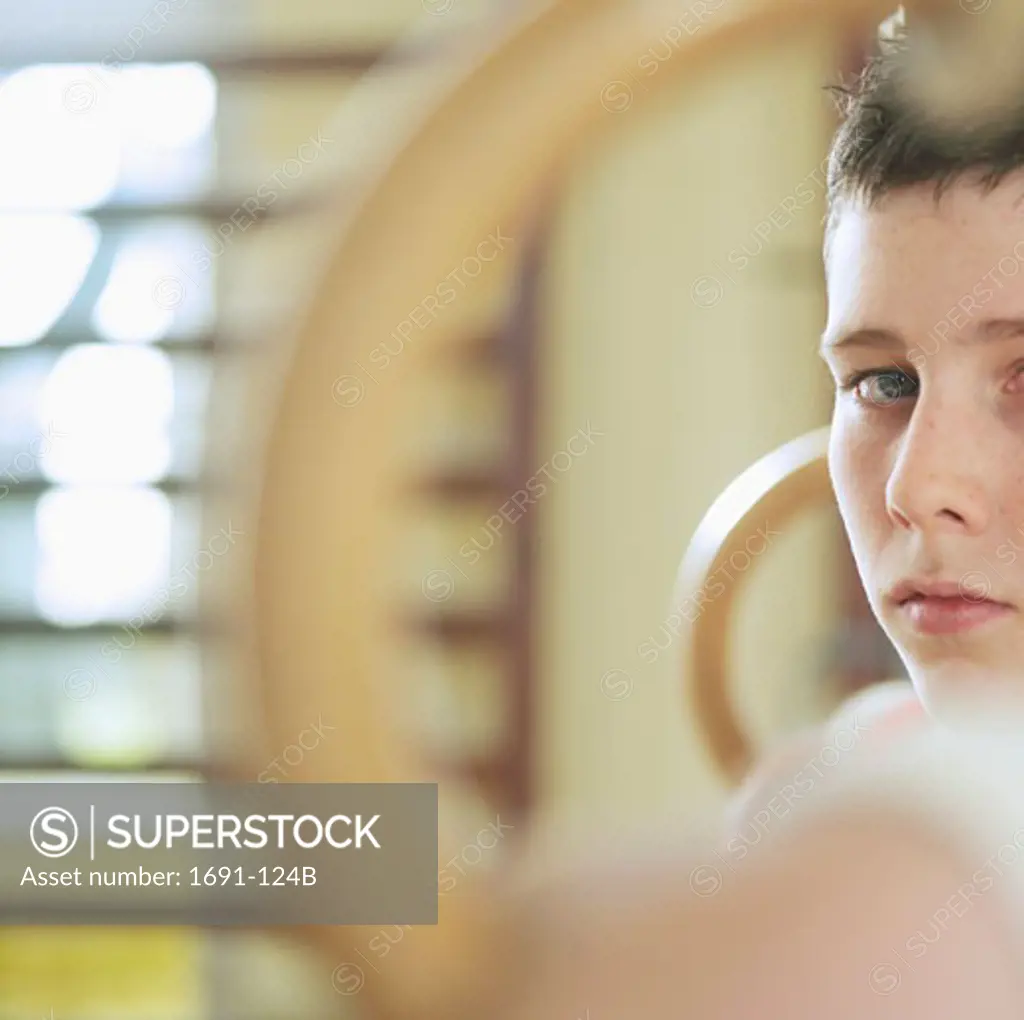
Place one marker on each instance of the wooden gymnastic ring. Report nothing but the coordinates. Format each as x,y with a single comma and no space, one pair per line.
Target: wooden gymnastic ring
786,483
317,628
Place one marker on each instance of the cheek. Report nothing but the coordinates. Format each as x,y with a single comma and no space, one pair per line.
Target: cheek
859,476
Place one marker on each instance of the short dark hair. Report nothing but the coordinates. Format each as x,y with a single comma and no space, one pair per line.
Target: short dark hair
884,143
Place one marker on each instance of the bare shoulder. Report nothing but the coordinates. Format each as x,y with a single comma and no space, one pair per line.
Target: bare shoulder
803,763
773,776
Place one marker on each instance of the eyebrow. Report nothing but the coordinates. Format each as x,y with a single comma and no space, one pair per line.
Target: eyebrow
885,339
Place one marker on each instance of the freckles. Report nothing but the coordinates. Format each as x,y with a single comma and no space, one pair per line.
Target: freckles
1010,504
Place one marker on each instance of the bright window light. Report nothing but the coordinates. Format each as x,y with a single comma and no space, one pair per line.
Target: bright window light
112,727
43,260
83,132
103,552
68,151
171,105
113,406
142,291
155,287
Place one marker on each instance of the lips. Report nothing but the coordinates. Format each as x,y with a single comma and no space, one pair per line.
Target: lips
949,607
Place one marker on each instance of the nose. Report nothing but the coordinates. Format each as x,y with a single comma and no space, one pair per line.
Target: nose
938,483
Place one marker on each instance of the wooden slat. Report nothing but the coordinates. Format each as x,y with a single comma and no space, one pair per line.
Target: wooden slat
60,340
212,208
34,626
489,773
486,350
464,483
33,486
460,627
58,764
522,346
243,63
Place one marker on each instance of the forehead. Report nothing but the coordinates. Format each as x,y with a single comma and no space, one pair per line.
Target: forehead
905,261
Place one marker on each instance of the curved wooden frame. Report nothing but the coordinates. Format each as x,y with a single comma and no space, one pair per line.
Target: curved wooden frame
784,484
318,626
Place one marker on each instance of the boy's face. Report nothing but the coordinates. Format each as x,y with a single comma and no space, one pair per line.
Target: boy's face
926,308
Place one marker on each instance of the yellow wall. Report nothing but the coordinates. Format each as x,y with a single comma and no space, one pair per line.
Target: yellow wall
687,391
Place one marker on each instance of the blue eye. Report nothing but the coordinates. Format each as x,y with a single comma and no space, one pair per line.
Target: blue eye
882,388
